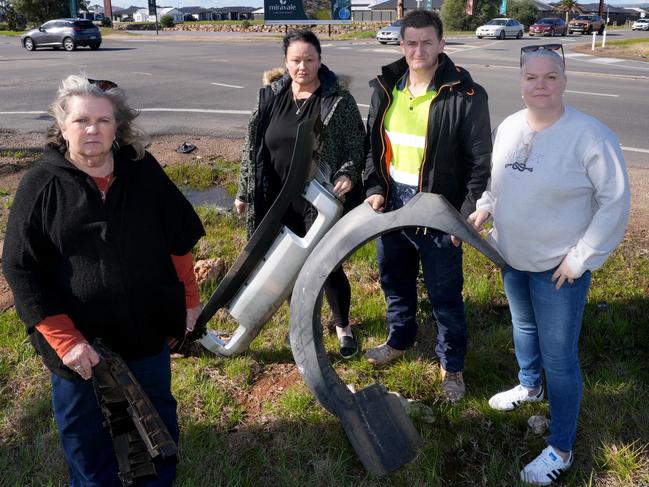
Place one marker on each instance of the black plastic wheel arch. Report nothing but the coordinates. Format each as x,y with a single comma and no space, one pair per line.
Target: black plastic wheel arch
376,424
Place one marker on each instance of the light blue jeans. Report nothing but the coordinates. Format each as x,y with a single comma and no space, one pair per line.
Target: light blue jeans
546,325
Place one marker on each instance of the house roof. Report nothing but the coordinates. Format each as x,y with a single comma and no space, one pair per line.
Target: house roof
594,8
407,5
128,12
543,7
194,10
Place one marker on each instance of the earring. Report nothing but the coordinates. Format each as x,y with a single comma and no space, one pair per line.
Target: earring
115,144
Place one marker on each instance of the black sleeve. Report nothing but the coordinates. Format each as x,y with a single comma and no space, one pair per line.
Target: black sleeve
475,133
182,226
28,254
371,180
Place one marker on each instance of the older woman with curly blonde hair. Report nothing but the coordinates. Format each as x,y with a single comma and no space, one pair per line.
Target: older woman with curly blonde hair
98,245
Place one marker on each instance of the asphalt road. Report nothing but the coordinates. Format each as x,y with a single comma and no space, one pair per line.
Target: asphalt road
207,86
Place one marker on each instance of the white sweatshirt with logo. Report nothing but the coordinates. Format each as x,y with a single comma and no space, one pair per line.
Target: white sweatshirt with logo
561,191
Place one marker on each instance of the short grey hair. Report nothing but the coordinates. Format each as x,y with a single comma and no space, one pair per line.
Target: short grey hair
127,133
544,53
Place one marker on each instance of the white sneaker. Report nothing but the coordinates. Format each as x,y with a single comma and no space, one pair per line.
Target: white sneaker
508,400
545,468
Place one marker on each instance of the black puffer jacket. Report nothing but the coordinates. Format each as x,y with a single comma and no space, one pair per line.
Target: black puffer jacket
458,143
107,265
340,144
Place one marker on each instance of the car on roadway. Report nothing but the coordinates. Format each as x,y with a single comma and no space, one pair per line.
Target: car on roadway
548,27
391,33
500,28
63,33
587,24
641,24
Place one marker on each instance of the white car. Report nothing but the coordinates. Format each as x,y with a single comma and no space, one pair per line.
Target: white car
641,24
500,28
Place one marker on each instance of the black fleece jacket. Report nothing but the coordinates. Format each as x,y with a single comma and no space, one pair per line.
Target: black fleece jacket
457,158
105,264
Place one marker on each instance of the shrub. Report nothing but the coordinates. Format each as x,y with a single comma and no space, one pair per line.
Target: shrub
167,21
245,24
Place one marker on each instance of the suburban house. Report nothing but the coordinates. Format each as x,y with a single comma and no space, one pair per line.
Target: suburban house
197,13
233,13
142,15
387,11
616,15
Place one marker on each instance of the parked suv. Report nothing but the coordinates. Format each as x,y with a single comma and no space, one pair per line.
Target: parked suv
586,24
65,33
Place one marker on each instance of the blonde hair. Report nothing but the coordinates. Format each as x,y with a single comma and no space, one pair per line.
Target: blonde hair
127,132
544,53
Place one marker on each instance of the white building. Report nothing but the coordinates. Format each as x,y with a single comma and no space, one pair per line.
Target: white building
142,15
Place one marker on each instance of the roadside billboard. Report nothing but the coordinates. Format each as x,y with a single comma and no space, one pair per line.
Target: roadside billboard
308,12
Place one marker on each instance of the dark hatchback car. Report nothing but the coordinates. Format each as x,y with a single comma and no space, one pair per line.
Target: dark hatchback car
548,27
63,33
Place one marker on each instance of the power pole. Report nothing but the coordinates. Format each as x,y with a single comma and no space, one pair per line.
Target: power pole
399,9
601,8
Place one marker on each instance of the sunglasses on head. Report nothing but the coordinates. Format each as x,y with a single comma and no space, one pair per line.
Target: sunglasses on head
543,47
102,84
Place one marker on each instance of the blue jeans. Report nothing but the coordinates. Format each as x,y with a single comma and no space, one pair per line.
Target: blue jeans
87,445
399,254
547,323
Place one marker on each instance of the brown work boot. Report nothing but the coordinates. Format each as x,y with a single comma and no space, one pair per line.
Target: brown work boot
383,354
452,385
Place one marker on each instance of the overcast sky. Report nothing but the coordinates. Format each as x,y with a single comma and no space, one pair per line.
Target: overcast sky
239,3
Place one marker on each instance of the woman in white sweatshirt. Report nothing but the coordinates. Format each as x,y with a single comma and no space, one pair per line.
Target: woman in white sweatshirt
559,199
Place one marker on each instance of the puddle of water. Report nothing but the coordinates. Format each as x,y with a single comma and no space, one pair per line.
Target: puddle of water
215,197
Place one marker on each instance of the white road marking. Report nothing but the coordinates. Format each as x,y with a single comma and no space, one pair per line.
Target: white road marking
576,54
142,73
635,149
23,113
197,110
607,60
227,86
590,93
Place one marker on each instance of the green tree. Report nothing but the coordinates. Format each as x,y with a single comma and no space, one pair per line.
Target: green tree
454,15
483,12
524,11
569,7
167,21
7,10
42,10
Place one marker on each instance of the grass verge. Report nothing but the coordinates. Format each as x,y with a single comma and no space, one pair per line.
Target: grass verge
251,420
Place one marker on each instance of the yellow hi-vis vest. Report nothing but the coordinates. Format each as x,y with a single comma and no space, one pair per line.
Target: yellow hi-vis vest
406,124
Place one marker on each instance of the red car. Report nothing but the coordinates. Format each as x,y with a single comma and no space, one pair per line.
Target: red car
548,27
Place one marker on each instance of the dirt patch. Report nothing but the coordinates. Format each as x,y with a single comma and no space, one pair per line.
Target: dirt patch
635,52
164,148
270,383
